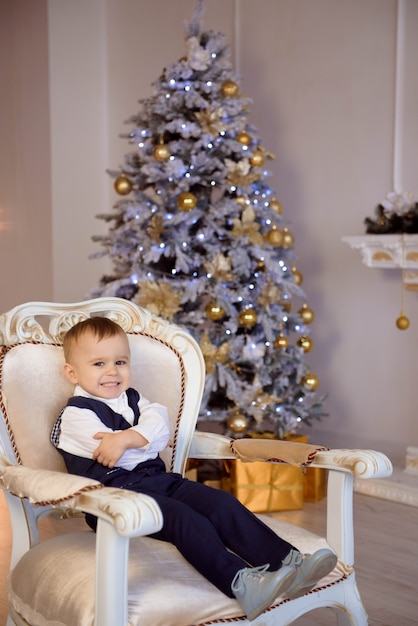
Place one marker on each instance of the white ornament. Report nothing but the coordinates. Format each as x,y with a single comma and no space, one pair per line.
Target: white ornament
198,57
253,351
398,202
242,167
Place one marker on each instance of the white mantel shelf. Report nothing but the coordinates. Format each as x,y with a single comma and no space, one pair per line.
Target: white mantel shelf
389,251
396,252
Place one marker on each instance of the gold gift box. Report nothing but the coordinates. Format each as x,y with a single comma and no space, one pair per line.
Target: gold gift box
315,484
264,487
314,478
267,487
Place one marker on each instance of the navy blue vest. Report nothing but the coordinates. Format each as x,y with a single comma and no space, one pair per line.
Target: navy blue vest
89,467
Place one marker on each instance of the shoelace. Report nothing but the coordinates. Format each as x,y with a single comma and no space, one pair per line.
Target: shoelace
294,558
254,572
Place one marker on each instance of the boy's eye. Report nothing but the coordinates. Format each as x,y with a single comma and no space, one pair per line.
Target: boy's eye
121,362
98,363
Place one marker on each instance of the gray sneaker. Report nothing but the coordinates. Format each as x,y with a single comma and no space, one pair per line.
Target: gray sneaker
255,588
310,568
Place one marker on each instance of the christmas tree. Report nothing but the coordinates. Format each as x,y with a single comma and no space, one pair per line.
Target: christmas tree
199,238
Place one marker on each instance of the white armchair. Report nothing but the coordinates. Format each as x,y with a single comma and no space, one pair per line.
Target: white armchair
119,576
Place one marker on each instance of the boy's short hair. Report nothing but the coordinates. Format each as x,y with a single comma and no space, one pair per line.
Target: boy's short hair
100,327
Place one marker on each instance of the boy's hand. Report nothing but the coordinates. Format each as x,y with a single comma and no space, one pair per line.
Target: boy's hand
113,445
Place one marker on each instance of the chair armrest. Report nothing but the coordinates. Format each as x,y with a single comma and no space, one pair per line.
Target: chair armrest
130,513
122,514
360,463
210,446
44,487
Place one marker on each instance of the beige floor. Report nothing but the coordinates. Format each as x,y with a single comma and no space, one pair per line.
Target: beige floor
386,559
386,536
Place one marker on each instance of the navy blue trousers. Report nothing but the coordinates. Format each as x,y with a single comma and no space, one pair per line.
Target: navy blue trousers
209,527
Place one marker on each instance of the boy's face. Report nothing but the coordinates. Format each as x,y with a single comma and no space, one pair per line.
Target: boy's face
102,368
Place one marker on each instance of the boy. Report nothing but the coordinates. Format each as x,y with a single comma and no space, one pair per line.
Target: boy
111,433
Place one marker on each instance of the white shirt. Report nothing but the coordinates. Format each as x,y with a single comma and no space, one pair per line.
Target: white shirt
79,425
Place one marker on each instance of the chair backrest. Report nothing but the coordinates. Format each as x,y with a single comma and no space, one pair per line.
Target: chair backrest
167,367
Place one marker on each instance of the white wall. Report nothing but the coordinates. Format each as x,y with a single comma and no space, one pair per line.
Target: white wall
104,56
79,140
321,74
25,208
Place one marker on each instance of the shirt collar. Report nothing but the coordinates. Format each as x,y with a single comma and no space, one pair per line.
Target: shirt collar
119,404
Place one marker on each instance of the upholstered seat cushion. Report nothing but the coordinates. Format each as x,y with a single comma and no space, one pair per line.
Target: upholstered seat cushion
64,568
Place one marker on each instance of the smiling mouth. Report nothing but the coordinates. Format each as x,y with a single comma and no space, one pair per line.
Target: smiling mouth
110,384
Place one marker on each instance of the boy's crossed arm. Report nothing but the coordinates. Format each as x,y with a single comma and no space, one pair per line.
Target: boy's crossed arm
114,444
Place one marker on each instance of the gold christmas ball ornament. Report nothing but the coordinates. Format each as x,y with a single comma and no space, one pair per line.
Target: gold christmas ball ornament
247,318
186,201
161,152
241,200
274,237
244,138
288,239
237,422
258,159
229,89
261,266
310,381
286,305
306,314
214,312
276,206
281,342
402,322
298,278
123,185
306,343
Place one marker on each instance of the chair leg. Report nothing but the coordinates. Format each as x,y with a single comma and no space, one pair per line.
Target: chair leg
353,613
346,619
